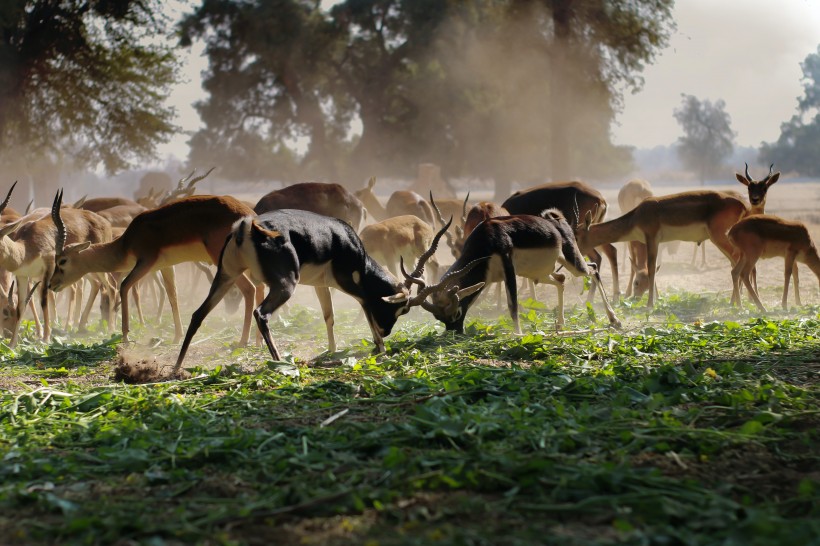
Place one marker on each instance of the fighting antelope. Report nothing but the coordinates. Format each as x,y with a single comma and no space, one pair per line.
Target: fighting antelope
574,200
399,203
501,248
288,247
189,229
765,236
318,197
687,216
32,254
401,238
758,188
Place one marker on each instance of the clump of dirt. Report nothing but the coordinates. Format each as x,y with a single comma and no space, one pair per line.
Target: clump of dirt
136,369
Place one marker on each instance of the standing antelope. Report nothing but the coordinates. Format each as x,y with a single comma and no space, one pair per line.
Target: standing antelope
630,195
506,246
399,203
189,229
758,188
318,197
287,247
31,254
574,200
765,236
687,216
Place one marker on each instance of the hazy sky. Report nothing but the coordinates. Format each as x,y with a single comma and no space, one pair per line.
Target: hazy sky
746,52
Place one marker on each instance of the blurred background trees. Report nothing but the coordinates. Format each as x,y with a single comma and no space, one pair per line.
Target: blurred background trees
507,89
708,138
798,147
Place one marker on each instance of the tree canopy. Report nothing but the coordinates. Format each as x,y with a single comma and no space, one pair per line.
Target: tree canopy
85,80
519,89
797,147
708,138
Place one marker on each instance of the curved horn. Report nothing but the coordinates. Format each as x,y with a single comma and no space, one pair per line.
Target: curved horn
6,200
463,208
59,245
449,278
450,242
198,178
768,176
409,278
28,207
747,171
430,251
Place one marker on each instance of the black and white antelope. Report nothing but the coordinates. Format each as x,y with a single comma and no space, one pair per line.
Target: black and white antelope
287,247
502,247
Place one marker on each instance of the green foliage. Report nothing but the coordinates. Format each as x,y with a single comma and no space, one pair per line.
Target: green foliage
83,79
693,431
800,136
708,137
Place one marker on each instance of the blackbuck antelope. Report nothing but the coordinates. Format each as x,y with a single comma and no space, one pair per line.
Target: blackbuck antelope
288,247
186,230
687,216
758,188
317,197
399,203
574,200
31,254
765,236
400,239
506,246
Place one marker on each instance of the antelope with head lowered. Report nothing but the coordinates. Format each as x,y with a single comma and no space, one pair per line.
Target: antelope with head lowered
687,216
766,236
288,247
189,229
400,239
399,203
500,248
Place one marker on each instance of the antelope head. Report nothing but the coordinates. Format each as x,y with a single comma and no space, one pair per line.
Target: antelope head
67,258
758,188
183,190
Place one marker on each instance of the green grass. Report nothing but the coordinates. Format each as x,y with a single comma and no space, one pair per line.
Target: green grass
692,426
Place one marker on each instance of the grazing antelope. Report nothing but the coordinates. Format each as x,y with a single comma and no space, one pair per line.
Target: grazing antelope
401,238
687,216
630,195
32,254
399,203
765,236
287,247
574,200
318,197
189,229
758,188
506,246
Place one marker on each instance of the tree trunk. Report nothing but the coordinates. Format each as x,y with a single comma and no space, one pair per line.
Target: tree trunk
560,124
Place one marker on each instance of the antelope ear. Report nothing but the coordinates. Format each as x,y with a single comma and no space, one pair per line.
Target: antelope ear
76,247
464,292
8,229
398,297
741,179
775,177
588,219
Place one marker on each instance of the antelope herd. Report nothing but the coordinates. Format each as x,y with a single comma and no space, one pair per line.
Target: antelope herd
324,236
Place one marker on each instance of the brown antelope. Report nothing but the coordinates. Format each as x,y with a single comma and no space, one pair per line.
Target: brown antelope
287,247
399,239
630,195
506,246
96,204
318,197
189,229
469,220
765,236
758,188
32,254
687,216
399,203
121,215
575,200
